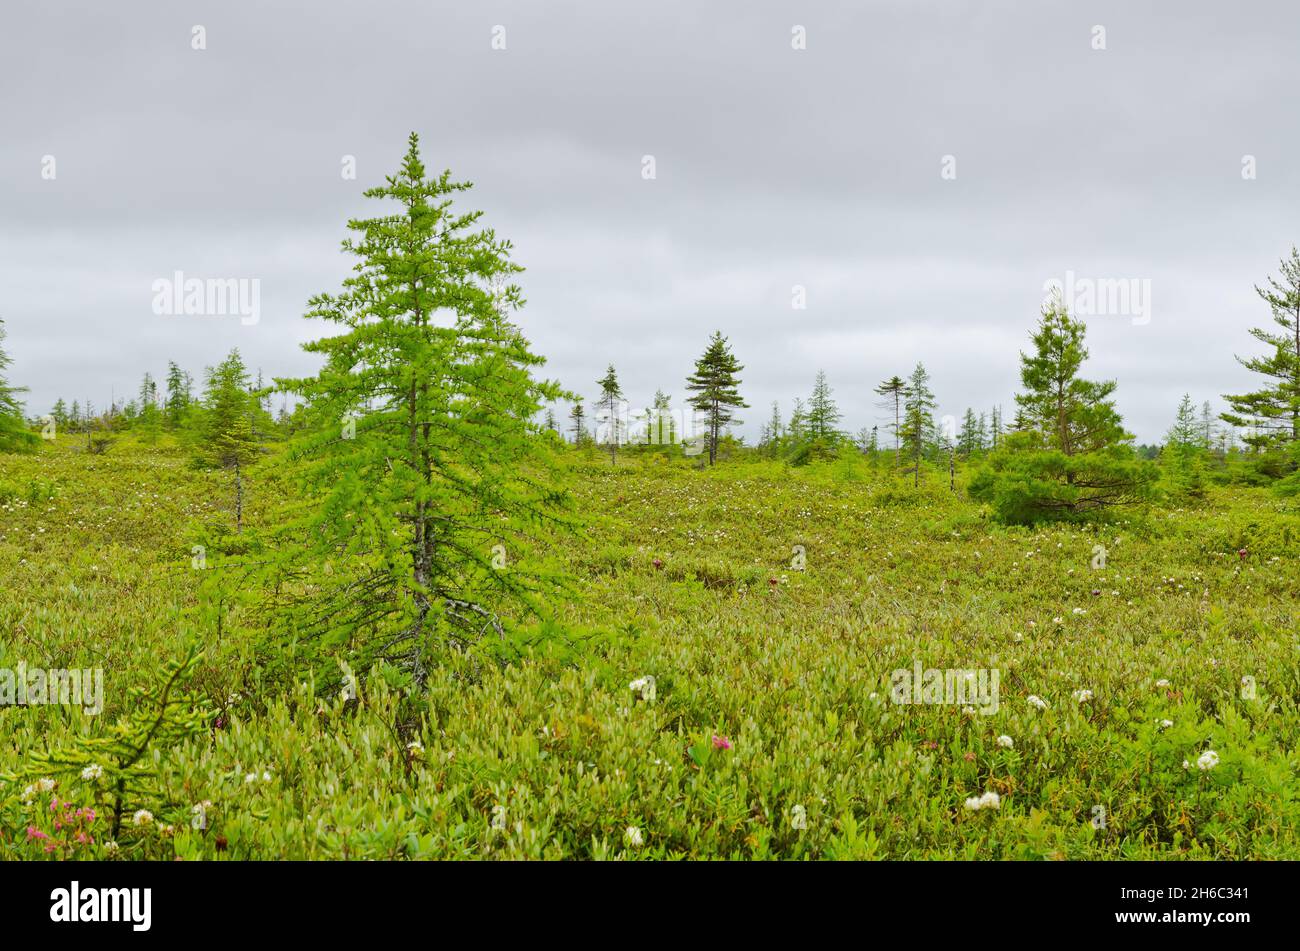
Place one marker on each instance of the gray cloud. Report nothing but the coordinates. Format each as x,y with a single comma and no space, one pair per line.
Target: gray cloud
775,167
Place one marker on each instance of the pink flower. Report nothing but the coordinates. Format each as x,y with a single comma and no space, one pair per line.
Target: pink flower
721,742
35,833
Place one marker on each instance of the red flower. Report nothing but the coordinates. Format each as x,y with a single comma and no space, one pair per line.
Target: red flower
721,742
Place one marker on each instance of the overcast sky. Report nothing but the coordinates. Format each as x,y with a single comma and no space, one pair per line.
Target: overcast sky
775,167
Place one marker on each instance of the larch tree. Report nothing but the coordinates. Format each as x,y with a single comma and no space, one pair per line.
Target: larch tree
228,437
715,384
423,475
15,436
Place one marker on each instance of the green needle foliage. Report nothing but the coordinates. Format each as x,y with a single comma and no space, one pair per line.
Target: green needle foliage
1272,413
1071,456
611,399
425,487
714,383
14,434
230,430
123,759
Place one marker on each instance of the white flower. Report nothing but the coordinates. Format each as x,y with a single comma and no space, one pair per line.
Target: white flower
499,818
1058,620
142,817
1166,724
1207,760
250,778
92,772
990,800
633,838
1083,696
968,711
798,818
1186,765
28,793
416,748
1162,682
644,687
266,777
1037,702
1006,742
1079,611
111,847
44,785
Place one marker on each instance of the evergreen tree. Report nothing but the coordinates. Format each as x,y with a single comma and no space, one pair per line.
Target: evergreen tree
1074,415
1184,450
714,383
148,391
968,439
823,414
15,436
1186,433
771,437
423,459
228,437
663,428
893,390
1272,413
609,404
995,427
1069,454
1207,425
179,396
918,429
577,419
551,424
798,422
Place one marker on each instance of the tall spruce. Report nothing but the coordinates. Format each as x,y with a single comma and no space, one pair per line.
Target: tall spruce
893,390
918,430
662,429
1272,413
715,384
610,405
823,414
578,424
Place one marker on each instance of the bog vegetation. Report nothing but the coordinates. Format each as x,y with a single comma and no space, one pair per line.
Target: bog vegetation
418,616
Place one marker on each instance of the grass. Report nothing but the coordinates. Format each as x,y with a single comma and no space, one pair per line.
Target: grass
772,733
